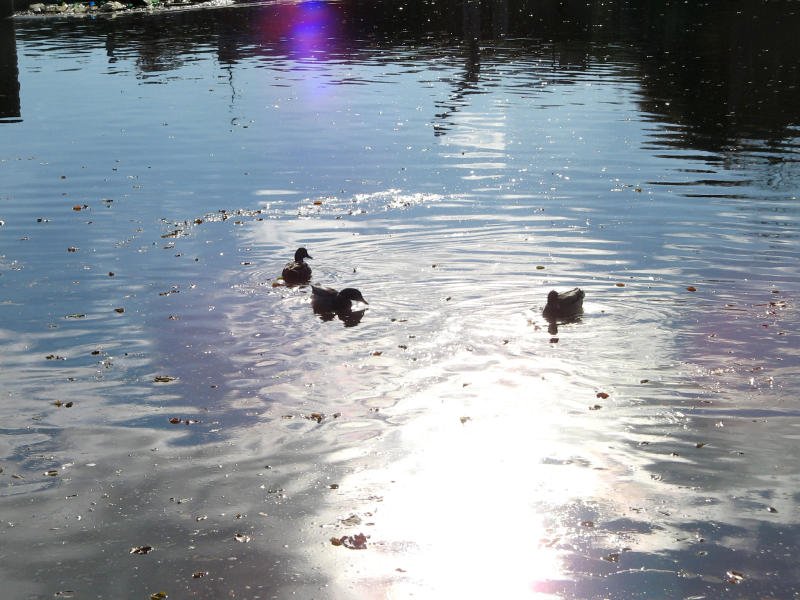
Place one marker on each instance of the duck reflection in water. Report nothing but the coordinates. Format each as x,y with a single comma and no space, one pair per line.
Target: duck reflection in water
329,303
562,308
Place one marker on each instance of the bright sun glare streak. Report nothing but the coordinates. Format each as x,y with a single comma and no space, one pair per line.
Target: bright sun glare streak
308,28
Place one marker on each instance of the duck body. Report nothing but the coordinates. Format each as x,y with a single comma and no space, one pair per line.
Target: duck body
564,305
329,300
297,271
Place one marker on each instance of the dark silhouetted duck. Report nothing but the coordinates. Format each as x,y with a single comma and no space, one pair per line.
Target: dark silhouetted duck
329,300
297,271
564,305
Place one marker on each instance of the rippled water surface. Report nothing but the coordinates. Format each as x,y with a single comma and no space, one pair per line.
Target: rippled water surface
161,388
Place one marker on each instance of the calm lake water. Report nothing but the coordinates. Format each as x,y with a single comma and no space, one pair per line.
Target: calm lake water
160,388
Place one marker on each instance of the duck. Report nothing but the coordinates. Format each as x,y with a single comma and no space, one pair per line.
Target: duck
564,305
297,271
324,299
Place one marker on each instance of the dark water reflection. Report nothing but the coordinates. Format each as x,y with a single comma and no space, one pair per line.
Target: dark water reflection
455,162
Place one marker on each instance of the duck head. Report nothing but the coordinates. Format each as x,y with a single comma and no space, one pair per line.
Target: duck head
352,295
300,254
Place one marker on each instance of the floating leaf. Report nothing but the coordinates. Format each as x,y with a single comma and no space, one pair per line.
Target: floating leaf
158,596
465,419
613,557
691,288
318,417
700,444
352,542
377,353
175,420
539,267
351,520
734,576
620,285
317,202
644,381
772,509
141,550
119,310
595,407
602,395
163,379
76,316
587,524
240,537
199,574
51,473
72,249
334,486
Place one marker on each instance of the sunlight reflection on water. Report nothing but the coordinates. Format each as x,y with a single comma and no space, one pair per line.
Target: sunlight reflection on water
647,446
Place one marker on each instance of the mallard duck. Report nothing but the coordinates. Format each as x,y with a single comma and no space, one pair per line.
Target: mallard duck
564,305
329,300
297,271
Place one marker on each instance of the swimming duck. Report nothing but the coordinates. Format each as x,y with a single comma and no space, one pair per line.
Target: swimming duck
329,300
297,271
566,304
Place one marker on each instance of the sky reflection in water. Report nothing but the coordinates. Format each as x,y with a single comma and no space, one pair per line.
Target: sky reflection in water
454,186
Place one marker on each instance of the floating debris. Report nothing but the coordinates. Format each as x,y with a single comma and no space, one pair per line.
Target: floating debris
734,577
352,542
315,416
141,550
